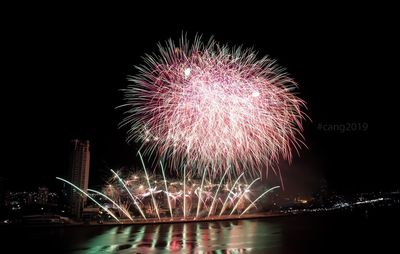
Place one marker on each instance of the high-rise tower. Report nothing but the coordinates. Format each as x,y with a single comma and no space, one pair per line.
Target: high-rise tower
79,174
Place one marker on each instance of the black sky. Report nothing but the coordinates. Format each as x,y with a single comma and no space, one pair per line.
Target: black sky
64,71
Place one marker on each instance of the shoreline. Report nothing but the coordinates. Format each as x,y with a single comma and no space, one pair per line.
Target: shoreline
359,211
153,221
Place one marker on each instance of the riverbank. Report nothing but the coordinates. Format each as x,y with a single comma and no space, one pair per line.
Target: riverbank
164,220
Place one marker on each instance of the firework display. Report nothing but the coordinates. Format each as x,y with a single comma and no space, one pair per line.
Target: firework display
141,196
207,106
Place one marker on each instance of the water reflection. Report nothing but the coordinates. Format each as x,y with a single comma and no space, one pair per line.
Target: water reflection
206,237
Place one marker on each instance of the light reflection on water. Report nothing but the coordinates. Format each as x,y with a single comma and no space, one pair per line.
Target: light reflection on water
300,234
247,236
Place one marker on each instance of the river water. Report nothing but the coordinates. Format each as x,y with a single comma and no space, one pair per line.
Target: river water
314,233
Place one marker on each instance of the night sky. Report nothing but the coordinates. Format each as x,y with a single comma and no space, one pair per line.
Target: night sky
64,71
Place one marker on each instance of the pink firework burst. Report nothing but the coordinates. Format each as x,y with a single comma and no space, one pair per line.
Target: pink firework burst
203,105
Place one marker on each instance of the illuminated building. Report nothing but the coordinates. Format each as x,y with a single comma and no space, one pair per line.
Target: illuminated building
79,174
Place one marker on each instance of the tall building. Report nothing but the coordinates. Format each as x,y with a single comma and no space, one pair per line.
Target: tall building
42,195
79,174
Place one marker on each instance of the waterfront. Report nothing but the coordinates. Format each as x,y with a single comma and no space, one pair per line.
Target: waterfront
336,232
